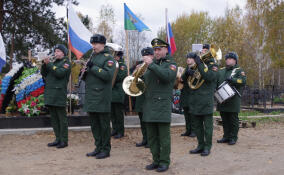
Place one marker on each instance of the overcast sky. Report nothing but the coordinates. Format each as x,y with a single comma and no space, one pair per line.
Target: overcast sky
153,11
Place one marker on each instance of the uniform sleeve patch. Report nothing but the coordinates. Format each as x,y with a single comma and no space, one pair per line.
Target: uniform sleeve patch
122,67
239,81
54,67
173,67
110,63
215,68
66,66
243,73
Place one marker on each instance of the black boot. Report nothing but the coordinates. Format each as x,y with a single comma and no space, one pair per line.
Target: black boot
196,151
192,134
113,133
231,142
223,140
152,166
118,136
62,145
92,154
185,134
162,168
102,155
205,153
143,143
55,143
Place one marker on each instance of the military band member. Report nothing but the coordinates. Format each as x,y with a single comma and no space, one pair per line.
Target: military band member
148,51
159,80
202,102
98,79
117,102
185,95
56,75
230,109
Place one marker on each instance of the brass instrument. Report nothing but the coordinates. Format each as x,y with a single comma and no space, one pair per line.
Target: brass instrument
178,82
195,81
133,85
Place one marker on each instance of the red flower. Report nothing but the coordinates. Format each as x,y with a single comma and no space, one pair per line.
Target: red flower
33,104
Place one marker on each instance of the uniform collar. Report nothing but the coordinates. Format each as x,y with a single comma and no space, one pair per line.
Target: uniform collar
232,67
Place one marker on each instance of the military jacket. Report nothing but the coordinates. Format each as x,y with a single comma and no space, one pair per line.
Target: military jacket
99,82
184,91
117,91
201,100
159,80
56,76
238,81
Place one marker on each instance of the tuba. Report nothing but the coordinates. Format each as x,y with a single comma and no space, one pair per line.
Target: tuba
195,81
133,85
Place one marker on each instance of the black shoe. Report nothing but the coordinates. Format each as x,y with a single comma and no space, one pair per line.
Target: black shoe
192,135
143,143
118,136
231,142
152,166
62,145
205,153
92,154
102,155
162,168
113,133
223,140
196,151
147,146
185,134
55,143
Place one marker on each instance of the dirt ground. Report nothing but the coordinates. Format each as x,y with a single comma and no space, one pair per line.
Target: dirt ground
258,152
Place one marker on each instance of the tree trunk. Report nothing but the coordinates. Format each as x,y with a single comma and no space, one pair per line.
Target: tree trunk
1,14
12,50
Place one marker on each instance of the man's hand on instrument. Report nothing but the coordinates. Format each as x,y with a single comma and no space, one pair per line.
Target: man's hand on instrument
46,60
147,59
197,60
189,72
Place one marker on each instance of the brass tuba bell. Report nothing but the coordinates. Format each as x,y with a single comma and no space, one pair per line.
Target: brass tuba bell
133,85
195,81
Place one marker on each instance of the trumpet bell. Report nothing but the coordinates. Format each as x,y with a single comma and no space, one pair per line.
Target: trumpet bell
131,88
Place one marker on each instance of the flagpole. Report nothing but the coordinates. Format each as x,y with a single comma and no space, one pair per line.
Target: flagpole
69,56
128,64
166,16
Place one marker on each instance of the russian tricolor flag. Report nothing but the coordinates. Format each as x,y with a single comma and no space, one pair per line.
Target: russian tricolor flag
170,37
79,35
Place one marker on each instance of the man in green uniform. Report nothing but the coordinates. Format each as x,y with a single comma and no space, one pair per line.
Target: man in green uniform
230,109
201,103
159,80
185,95
148,51
56,76
117,102
99,74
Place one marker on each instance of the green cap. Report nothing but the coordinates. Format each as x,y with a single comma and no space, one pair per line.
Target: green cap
158,43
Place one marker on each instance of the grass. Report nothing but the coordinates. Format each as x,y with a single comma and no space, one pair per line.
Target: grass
251,113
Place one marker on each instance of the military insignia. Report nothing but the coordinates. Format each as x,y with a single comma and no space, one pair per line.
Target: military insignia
106,54
239,80
205,69
100,69
110,63
122,67
66,66
211,63
243,73
215,68
54,67
173,67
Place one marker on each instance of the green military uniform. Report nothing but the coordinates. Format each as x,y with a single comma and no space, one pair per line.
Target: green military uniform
139,108
201,103
184,104
117,102
56,75
229,109
159,81
98,98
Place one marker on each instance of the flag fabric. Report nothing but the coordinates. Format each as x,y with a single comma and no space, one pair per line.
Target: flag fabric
170,39
79,35
2,53
131,22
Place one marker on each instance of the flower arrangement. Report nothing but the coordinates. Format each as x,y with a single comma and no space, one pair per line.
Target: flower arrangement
74,102
32,105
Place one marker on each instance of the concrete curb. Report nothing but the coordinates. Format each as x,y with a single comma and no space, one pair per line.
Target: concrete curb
177,120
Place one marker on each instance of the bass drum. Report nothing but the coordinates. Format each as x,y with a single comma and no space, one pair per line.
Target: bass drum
224,92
